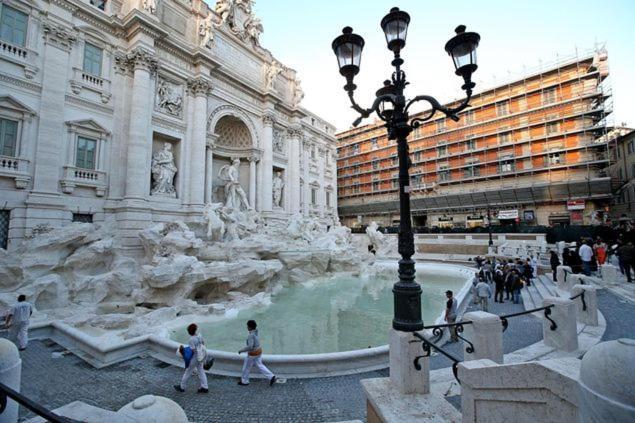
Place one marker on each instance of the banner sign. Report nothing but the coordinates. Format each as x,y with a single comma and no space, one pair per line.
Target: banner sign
508,214
575,205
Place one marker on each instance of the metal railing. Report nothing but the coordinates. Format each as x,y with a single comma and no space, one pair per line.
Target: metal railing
6,393
437,330
581,296
427,345
547,310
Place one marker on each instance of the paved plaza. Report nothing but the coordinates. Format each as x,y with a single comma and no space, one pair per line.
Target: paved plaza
54,382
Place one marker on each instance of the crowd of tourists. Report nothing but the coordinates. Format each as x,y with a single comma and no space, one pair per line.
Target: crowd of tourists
587,255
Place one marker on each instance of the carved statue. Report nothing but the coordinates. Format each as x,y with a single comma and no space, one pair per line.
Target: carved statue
298,94
225,10
246,5
271,73
163,171
205,31
150,6
277,186
227,214
235,197
170,99
376,237
253,29
215,225
277,143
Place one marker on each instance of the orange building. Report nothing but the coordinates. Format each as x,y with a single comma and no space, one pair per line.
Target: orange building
532,151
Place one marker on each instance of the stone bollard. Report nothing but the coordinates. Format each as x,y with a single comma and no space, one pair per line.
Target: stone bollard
403,374
562,272
590,315
486,334
609,273
573,280
10,374
565,336
607,382
152,409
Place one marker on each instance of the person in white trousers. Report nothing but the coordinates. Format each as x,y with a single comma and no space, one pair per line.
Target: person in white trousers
197,345
254,356
18,321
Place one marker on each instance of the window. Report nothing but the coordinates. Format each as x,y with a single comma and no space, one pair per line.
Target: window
314,195
632,170
442,150
441,125
417,156
415,180
444,175
507,166
328,198
502,108
5,217
554,159
395,183
375,186
417,132
354,150
375,164
630,147
101,4
374,143
13,26
8,137
553,128
313,151
83,217
92,59
504,137
470,172
549,95
85,153
395,161
620,174
469,117
470,145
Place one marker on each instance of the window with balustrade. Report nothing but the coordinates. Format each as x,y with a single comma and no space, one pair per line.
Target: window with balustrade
85,153
13,25
93,56
8,137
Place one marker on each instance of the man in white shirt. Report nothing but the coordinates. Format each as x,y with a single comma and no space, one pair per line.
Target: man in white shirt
483,291
18,320
586,255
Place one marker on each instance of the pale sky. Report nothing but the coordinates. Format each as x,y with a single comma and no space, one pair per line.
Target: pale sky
515,36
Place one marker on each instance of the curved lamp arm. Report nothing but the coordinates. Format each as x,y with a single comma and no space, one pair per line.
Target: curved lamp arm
364,113
436,106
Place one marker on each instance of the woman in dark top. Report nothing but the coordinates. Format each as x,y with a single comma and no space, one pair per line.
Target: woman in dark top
555,262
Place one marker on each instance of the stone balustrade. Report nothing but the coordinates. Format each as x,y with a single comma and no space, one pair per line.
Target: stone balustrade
14,51
77,176
16,168
486,336
561,332
84,80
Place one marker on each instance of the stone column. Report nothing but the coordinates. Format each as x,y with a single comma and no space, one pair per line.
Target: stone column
10,375
139,144
252,181
199,88
209,175
307,188
607,382
266,199
586,312
565,336
293,179
322,191
486,335
403,375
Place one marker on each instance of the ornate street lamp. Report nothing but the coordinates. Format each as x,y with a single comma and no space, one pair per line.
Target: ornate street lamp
392,107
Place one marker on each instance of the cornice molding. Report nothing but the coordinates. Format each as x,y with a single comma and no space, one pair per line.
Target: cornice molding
20,83
89,104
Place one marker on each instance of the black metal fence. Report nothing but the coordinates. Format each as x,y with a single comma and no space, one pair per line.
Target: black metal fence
6,393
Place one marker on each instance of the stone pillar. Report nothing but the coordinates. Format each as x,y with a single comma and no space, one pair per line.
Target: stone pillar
139,144
562,272
293,177
252,181
150,408
607,382
199,88
307,188
10,374
209,174
403,375
486,334
266,199
590,315
565,336
609,273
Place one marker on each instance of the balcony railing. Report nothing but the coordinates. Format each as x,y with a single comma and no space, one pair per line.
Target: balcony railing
77,176
16,168
12,50
84,80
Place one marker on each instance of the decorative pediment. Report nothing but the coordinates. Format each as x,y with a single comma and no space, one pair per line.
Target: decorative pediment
90,125
10,103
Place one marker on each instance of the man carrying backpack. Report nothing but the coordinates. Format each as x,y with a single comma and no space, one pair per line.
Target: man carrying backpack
196,362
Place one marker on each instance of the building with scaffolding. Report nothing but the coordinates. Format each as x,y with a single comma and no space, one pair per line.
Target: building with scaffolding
533,150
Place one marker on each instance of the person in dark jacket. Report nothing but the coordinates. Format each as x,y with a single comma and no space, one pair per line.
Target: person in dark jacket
509,283
528,272
555,262
499,281
517,285
626,254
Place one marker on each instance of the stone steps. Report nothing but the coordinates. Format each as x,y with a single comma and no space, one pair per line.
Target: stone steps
540,288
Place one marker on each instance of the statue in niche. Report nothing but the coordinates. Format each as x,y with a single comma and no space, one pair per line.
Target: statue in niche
170,100
271,73
163,171
150,6
205,31
235,197
277,186
253,29
277,144
298,94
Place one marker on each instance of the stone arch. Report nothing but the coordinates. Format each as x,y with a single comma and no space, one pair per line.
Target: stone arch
227,110
231,132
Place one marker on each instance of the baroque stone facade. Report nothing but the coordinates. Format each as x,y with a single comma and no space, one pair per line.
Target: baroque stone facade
126,110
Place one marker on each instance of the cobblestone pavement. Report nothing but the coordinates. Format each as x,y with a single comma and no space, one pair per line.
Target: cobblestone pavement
55,382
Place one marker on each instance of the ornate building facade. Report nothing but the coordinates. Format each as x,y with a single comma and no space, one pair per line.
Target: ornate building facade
133,110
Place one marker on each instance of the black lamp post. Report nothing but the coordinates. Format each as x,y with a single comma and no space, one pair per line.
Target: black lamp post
489,227
392,107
